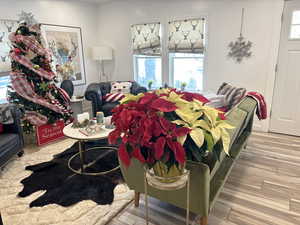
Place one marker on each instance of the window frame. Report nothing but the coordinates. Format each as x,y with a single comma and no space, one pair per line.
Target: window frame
171,67
292,25
165,59
136,66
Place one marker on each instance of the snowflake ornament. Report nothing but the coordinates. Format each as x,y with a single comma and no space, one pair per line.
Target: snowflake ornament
240,49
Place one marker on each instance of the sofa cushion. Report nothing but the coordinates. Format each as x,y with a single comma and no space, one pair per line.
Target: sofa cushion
10,145
1,128
215,101
233,95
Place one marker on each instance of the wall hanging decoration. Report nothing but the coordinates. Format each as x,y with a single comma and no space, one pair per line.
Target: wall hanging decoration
65,45
241,48
6,27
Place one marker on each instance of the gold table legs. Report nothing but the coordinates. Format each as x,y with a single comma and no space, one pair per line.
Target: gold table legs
83,165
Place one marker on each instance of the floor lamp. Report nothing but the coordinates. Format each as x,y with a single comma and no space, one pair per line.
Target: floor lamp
101,54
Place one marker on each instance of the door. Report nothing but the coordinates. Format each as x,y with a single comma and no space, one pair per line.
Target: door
285,117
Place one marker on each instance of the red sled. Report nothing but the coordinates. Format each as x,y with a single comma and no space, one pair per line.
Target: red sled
49,132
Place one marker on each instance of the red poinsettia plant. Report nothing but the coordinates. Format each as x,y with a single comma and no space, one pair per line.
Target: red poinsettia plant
167,126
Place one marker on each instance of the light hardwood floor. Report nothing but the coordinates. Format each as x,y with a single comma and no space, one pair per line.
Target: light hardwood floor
263,188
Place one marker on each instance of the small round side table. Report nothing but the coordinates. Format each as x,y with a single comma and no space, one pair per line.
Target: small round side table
154,181
74,133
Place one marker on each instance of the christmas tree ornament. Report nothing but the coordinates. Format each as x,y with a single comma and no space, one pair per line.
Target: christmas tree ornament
17,51
241,48
36,67
30,55
44,86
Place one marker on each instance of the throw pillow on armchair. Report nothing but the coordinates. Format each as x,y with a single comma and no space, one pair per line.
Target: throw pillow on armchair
120,87
118,91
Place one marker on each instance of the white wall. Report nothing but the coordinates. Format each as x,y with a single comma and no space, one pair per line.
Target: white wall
110,24
262,27
61,13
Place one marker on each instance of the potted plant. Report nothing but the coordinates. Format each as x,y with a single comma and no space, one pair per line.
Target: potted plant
150,83
183,86
164,128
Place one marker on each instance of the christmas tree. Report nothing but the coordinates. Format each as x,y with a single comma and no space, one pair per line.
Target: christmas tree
33,86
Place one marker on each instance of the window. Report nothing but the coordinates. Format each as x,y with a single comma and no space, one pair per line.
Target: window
186,54
147,53
4,82
187,68
148,68
295,27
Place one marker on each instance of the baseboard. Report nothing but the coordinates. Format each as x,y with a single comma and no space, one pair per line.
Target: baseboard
261,125
257,127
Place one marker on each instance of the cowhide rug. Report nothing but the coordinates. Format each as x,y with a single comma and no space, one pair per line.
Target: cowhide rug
64,187
47,192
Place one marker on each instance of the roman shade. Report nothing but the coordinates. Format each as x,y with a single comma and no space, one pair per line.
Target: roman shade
187,36
146,39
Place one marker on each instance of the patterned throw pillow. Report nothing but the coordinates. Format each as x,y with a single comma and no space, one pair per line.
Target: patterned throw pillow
113,97
120,87
233,95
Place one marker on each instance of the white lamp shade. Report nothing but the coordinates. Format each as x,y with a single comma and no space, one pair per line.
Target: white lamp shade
102,53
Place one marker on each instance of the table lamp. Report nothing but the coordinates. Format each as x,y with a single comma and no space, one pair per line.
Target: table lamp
102,53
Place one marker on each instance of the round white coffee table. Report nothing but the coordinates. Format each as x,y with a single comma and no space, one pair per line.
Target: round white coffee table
75,134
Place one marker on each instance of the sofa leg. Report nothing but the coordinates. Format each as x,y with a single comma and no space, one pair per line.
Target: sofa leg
136,199
1,223
203,220
21,153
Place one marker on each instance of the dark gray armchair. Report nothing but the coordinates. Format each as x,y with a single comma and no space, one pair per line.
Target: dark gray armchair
11,140
68,86
96,91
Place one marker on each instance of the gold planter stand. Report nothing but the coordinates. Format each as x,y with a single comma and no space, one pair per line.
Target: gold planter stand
170,183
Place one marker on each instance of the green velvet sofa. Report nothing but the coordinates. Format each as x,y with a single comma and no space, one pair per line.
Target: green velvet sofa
207,179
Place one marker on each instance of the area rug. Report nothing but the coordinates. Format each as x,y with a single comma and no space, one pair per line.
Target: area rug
79,201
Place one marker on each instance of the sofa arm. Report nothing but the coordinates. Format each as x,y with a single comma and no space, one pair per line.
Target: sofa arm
16,127
93,93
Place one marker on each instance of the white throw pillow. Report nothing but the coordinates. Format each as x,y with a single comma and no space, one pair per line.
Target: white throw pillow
120,87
